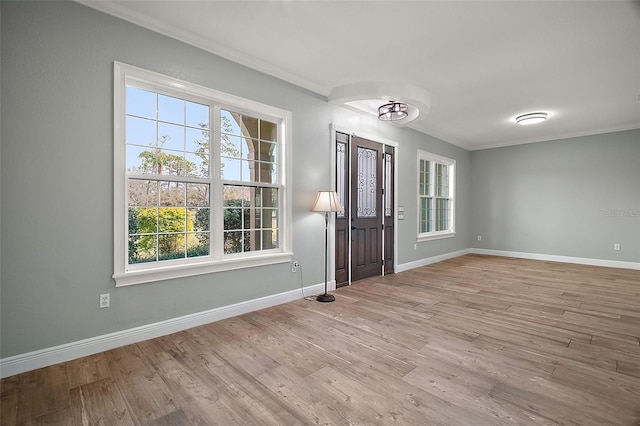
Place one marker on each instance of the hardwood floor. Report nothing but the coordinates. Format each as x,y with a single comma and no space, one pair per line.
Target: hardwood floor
475,340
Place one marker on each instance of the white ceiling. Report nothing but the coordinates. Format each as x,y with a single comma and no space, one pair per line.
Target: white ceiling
483,62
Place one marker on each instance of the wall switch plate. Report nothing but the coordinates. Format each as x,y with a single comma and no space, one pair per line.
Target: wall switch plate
105,300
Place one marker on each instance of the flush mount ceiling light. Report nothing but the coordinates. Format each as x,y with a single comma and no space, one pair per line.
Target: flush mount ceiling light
392,102
531,118
393,111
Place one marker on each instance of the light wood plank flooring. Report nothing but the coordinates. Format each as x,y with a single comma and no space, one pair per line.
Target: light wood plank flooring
475,340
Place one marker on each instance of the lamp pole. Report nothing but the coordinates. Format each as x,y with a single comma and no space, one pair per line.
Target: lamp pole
326,297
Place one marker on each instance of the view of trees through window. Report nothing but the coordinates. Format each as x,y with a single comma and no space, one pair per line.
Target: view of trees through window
250,183
169,185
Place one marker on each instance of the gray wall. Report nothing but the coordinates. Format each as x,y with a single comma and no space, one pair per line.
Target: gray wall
572,197
56,177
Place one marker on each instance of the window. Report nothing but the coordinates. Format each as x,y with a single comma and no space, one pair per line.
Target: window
436,188
200,180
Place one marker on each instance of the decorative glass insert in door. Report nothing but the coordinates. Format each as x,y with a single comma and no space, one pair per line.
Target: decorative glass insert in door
341,158
388,208
367,183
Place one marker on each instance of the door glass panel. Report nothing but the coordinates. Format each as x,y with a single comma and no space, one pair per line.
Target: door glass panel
367,183
341,158
388,208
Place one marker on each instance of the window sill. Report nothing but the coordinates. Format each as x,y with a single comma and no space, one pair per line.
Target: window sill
435,236
180,271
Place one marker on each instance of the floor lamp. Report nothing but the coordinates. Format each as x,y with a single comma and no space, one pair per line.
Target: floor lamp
327,202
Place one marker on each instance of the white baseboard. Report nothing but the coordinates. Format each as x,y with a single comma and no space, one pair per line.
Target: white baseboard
45,357
430,260
556,258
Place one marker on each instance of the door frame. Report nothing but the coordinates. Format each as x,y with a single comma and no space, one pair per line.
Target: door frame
384,142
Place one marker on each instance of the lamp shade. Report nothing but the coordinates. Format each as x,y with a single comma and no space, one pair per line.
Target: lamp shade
327,201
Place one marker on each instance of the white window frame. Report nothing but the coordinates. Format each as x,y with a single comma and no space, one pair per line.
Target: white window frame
451,164
216,261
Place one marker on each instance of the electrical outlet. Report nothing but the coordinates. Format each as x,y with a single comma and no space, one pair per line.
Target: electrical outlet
479,237
105,300
415,246
295,266
616,246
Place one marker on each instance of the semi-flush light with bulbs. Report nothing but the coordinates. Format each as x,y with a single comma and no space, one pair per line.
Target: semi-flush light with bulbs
393,111
531,118
393,102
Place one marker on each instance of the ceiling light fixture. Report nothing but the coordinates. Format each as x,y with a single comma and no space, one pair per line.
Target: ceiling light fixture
531,118
367,97
393,111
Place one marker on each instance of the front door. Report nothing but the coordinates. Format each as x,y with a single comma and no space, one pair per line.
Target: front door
366,212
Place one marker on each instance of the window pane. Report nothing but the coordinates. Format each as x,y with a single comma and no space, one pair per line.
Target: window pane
442,180
197,195
249,126
170,109
230,146
230,168
142,248
147,220
442,214
172,194
233,242
197,115
270,197
424,178
269,218
170,136
268,131
248,171
197,165
140,102
171,246
246,217
252,240
250,149
426,215
141,131
200,218
233,219
267,152
230,122
141,159
267,172
172,219
198,244
170,163
142,193
197,140
256,218
269,239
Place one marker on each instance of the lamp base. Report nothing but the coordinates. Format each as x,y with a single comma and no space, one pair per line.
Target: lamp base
326,298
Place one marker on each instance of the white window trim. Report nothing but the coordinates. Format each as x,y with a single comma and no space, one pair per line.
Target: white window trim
125,274
451,232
